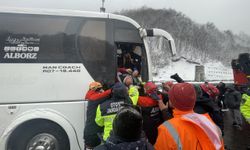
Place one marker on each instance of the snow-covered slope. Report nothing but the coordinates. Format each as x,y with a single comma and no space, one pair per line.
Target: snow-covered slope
185,70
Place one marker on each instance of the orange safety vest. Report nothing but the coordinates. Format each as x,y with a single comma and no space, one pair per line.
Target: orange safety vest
189,131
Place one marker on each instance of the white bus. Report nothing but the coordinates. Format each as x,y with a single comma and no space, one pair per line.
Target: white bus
47,60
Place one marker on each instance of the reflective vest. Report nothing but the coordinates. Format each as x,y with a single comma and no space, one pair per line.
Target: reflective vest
245,108
133,94
189,131
106,113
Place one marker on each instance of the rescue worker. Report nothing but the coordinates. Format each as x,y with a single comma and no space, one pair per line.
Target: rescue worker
203,105
206,106
107,110
187,130
127,132
95,96
245,107
152,116
210,92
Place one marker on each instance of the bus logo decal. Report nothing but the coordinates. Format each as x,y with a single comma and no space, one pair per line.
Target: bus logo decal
21,47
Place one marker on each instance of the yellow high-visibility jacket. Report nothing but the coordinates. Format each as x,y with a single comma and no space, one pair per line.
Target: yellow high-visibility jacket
133,94
245,108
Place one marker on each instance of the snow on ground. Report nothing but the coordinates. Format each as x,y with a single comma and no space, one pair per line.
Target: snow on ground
186,70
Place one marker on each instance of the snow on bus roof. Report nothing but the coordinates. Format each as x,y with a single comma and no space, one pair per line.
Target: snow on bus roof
67,12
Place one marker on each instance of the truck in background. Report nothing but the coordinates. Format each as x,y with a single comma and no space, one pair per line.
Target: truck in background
241,71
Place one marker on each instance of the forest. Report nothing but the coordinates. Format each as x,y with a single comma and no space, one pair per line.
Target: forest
196,42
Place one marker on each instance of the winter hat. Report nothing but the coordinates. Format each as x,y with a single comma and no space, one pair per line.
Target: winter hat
119,90
128,124
182,96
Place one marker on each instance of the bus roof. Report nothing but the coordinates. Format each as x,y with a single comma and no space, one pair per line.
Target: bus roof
66,12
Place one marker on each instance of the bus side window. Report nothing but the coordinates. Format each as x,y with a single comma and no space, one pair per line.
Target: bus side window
35,39
95,51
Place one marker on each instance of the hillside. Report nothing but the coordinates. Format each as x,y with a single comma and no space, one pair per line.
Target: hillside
198,42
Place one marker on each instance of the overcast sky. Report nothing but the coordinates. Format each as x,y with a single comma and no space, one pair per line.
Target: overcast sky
225,14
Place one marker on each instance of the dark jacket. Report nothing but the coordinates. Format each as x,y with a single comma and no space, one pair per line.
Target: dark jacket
168,112
152,117
116,143
222,89
205,105
233,99
106,111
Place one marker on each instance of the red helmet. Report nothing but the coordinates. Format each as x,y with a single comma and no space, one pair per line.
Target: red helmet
95,85
150,87
210,89
182,96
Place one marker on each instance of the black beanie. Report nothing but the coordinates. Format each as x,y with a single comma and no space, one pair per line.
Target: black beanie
128,124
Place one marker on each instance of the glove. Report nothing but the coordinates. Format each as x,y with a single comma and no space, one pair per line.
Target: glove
154,96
